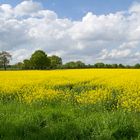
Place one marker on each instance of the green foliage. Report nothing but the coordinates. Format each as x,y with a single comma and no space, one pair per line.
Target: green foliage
126,132
19,65
39,60
55,62
26,64
99,65
115,66
137,66
121,66
72,65
5,58
41,121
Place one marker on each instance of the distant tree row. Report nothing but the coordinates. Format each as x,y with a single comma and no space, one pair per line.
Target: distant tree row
40,61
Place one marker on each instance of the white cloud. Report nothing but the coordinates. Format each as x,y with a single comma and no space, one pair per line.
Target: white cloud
27,8
104,27
6,11
130,45
111,38
135,8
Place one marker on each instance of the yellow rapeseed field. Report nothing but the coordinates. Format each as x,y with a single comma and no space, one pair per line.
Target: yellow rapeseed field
116,88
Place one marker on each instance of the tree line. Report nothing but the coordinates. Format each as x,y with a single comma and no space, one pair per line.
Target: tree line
39,60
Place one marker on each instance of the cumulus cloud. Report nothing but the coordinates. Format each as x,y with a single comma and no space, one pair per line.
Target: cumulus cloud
135,8
27,8
111,38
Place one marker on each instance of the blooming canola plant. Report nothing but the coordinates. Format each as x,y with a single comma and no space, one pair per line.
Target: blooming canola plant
112,88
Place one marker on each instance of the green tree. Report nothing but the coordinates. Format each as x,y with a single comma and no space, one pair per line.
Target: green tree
18,65
55,61
26,64
5,58
39,60
137,66
99,65
121,66
80,64
114,65
72,65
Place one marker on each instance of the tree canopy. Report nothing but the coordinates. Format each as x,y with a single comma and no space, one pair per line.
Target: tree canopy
55,61
5,58
39,60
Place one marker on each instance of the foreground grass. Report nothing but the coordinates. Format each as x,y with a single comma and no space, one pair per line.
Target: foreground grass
51,121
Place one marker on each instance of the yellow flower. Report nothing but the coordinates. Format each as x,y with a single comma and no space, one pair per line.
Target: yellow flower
117,87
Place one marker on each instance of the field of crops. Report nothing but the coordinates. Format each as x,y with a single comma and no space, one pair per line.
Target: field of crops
100,104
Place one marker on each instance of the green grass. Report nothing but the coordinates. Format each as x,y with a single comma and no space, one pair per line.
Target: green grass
61,121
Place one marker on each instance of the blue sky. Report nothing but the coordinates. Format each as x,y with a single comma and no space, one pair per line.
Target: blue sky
88,30
75,9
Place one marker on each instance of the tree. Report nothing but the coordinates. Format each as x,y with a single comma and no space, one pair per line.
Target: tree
69,65
121,66
26,64
80,64
108,66
72,65
39,60
128,66
55,61
18,65
5,58
114,65
137,66
99,65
